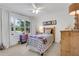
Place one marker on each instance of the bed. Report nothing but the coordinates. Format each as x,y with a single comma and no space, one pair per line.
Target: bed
40,42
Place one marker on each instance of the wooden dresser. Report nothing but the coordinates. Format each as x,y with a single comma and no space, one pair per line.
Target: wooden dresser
70,43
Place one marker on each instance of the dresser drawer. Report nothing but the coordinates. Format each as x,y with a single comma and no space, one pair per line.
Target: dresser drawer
70,43
65,52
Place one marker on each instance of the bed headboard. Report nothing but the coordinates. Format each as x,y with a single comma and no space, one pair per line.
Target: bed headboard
51,30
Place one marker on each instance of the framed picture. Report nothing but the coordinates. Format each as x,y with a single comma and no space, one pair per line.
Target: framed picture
54,22
50,22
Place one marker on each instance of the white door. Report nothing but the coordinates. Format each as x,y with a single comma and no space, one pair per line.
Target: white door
16,29
12,31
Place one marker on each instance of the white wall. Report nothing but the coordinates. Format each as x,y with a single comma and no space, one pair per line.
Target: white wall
0,24
5,28
33,25
63,20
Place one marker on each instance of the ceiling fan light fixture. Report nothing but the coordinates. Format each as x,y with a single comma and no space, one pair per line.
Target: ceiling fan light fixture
37,11
33,11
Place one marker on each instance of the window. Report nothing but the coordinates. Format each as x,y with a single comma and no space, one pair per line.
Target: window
22,25
27,24
19,25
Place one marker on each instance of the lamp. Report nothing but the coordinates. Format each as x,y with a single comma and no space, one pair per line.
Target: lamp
74,11
41,29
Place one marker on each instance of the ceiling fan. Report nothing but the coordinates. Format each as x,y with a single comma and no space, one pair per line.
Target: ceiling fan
36,9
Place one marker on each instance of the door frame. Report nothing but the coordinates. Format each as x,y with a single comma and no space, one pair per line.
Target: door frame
14,26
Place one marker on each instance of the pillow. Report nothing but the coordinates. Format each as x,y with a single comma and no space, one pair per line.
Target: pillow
47,32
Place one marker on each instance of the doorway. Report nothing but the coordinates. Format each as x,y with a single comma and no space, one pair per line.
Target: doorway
17,27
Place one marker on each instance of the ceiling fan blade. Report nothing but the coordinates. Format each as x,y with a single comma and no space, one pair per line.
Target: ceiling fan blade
41,7
34,6
28,9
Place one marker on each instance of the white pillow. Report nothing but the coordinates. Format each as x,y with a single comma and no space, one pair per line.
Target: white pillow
47,32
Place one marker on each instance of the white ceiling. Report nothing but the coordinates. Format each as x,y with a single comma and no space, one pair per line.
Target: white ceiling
23,7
